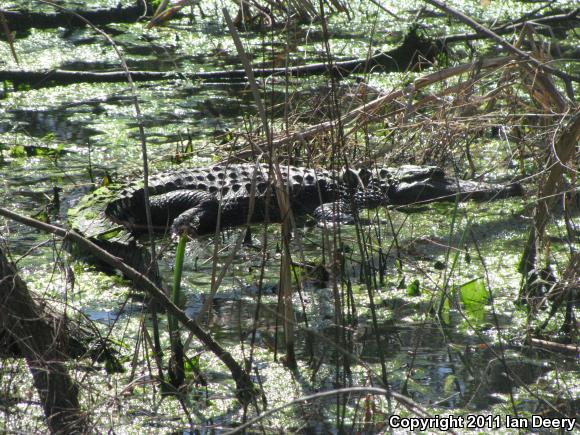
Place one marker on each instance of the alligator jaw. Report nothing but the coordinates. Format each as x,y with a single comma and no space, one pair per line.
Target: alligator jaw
449,189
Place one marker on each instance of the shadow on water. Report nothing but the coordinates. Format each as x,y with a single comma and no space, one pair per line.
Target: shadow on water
39,123
446,366
440,366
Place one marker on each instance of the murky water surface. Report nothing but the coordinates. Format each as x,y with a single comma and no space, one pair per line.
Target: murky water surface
70,137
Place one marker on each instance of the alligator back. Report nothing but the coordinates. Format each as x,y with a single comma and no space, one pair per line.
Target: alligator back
176,191
307,188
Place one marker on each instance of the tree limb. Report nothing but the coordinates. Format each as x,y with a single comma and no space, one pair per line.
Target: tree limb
244,384
408,55
36,338
24,20
520,53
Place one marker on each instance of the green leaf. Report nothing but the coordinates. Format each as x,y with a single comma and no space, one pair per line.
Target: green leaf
108,235
413,289
445,310
42,216
449,384
474,296
298,272
106,180
399,265
18,151
192,366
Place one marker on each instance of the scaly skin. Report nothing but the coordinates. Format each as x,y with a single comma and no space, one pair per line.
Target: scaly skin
190,200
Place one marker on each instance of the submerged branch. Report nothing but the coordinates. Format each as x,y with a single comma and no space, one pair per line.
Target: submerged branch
23,20
412,406
243,382
37,340
409,55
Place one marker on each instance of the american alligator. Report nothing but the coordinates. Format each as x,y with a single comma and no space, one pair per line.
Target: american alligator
190,200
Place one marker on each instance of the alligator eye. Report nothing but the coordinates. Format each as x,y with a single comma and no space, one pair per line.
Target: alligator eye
210,177
298,178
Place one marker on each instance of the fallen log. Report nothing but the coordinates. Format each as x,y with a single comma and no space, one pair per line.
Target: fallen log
23,20
554,346
414,52
244,386
25,322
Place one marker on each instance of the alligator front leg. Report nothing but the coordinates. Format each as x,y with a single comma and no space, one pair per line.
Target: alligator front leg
165,208
206,216
344,211
338,212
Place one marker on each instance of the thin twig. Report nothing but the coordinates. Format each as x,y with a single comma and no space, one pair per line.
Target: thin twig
243,381
520,53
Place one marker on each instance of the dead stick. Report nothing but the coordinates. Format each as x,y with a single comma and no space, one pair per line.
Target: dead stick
484,30
560,347
367,110
243,381
510,28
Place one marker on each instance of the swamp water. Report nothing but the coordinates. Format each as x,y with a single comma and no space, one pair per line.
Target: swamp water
71,137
